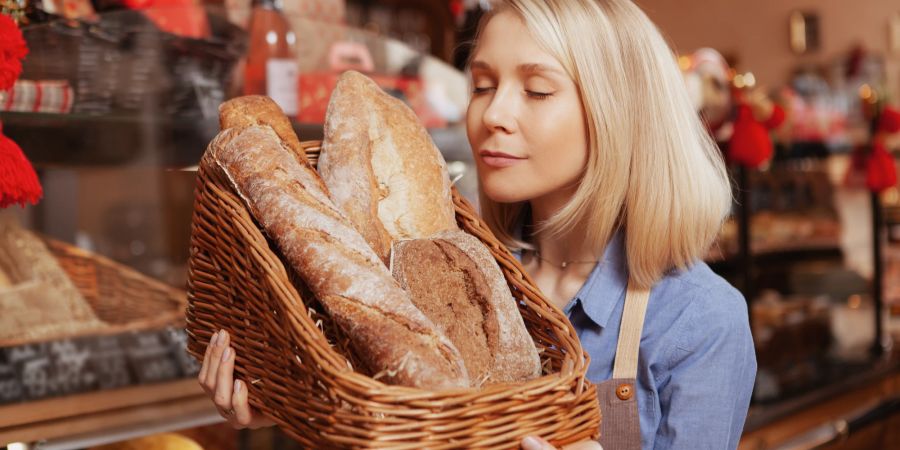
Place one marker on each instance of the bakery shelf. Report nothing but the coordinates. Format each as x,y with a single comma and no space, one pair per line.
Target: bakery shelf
85,140
151,408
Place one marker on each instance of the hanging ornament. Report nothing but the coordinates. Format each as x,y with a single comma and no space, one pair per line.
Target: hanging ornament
881,173
889,122
12,50
18,182
750,144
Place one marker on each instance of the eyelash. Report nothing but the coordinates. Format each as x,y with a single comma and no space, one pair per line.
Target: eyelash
539,95
532,94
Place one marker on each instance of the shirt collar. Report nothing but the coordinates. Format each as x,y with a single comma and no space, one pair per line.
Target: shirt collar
605,286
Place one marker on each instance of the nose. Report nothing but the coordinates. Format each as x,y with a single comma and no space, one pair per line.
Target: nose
499,116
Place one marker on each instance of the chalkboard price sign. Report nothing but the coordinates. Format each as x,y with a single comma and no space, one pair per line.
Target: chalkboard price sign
10,388
69,366
149,357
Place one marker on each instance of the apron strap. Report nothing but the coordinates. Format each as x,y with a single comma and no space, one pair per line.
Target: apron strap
625,365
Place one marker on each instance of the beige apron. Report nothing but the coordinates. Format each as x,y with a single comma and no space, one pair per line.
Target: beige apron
620,428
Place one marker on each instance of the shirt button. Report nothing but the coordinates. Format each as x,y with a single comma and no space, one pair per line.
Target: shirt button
624,391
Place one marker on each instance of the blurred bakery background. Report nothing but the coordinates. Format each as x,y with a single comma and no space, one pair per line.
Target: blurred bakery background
117,100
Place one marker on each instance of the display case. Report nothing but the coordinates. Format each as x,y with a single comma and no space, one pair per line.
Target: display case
810,249
117,159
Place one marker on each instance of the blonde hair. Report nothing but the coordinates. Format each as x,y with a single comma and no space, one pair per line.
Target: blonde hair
652,169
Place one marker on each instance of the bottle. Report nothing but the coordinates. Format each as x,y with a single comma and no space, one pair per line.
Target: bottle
271,67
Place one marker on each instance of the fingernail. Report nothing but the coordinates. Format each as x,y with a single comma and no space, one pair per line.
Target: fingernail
226,354
223,336
531,443
238,385
214,338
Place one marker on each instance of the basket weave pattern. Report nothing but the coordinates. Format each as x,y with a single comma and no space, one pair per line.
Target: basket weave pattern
123,299
300,369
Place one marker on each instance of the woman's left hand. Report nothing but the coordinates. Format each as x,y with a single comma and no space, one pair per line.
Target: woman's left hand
536,443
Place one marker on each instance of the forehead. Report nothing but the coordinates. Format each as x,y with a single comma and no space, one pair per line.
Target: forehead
505,40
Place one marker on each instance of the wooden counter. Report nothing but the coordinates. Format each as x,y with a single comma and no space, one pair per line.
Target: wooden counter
788,424
107,416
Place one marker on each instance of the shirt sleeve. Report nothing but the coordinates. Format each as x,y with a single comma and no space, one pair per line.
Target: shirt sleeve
712,369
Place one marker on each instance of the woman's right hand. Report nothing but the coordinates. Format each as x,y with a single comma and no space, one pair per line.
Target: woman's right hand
230,396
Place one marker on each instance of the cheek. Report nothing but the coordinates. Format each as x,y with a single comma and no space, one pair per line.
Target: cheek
561,150
474,128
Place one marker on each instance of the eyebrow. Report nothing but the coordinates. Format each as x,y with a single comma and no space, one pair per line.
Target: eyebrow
527,68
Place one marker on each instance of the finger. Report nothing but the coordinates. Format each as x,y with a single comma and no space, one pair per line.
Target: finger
204,368
583,445
224,380
536,443
215,358
242,414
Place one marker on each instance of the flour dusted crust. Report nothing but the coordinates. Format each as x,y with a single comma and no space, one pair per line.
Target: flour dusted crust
260,110
381,167
455,281
389,333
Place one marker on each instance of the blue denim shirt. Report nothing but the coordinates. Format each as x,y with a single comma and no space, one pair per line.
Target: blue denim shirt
697,362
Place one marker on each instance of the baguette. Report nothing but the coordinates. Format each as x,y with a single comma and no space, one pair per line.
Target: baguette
381,167
261,110
389,334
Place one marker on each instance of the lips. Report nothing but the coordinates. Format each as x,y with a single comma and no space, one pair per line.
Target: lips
499,159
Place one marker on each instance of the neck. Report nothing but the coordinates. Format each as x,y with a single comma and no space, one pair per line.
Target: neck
567,248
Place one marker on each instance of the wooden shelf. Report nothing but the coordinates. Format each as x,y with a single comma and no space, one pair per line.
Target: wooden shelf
156,408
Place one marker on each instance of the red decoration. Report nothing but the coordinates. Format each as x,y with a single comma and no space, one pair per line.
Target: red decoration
750,144
457,8
881,173
889,121
180,17
12,51
315,89
137,4
18,182
776,119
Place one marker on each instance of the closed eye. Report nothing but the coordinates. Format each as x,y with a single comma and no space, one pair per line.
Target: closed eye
539,95
482,90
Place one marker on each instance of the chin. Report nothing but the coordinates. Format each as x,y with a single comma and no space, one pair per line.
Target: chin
504,191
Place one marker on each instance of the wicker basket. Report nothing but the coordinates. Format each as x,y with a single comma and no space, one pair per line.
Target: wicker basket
123,299
300,369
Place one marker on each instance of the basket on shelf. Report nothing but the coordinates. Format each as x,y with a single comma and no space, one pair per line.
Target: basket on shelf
123,299
124,63
299,368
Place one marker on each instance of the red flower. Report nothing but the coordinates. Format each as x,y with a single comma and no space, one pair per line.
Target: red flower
12,50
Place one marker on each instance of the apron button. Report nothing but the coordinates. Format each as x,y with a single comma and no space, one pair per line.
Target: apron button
624,391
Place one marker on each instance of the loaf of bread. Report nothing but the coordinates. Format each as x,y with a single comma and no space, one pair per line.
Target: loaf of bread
381,167
260,110
393,337
41,301
455,281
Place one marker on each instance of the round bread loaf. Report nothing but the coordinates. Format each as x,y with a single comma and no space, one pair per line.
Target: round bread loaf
455,281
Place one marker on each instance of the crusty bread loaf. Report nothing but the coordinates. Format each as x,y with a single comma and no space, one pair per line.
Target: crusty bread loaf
381,167
249,110
388,332
455,281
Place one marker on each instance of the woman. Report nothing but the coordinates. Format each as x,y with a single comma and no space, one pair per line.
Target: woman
596,171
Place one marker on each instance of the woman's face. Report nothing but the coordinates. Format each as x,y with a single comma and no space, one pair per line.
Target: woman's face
525,120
